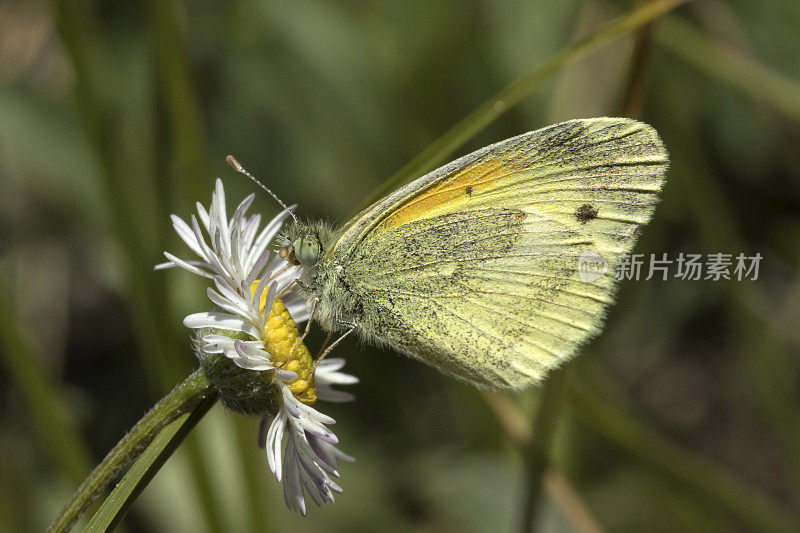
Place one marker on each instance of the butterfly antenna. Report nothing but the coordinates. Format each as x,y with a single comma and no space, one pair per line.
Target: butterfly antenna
235,165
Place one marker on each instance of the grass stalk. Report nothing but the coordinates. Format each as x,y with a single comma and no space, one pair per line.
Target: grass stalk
513,93
635,87
520,433
158,345
101,122
730,66
50,413
178,110
142,472
537,457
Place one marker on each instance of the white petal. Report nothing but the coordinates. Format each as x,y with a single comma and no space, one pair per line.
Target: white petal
334,396
257,267
275,442
203,214
268,233
331,364
255,297
213,343
268,303
218,205
218,320
286,375
250,350
186,234
249,362
238,306
338,378
244,205
210,255
249,230
194,269
297,308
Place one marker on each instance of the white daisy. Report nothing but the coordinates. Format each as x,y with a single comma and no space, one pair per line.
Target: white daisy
252,290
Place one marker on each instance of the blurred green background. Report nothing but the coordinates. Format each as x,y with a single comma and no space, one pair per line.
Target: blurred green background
684,415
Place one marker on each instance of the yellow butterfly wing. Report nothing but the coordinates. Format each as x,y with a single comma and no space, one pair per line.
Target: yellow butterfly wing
474,268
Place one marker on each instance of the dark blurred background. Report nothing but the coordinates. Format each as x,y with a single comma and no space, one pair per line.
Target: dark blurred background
683,415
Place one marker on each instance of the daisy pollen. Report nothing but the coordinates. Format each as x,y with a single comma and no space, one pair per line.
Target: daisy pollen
252,356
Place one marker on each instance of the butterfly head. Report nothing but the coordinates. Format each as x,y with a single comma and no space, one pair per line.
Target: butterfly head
305,250
303,244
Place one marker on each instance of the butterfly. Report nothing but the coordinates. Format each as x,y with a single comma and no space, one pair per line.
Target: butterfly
476,268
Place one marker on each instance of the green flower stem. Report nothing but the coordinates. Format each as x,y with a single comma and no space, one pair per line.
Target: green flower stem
184,397
142,472
513,93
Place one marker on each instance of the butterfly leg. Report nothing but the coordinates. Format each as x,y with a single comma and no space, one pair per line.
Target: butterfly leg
329,349
328,338
308,327
297,282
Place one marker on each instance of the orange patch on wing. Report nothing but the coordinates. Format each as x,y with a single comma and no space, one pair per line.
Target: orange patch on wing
447,195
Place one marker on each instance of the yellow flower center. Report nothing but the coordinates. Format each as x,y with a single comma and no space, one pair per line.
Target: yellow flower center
280,338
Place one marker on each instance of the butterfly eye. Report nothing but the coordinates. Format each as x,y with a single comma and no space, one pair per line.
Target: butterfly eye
306,250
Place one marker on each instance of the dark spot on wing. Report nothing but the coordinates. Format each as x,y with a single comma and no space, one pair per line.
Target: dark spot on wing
585,213
468,190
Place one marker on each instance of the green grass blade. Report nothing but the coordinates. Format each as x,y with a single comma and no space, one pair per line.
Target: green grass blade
537,458
730,66
145,468
181,136
50,413
516,91
158,345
